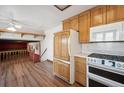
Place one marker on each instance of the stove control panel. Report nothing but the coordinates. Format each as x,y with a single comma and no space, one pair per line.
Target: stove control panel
109,63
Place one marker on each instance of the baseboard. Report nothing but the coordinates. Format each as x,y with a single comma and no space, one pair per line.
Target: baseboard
50,60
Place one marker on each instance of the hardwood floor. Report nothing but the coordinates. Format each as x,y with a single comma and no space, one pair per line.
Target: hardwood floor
22,72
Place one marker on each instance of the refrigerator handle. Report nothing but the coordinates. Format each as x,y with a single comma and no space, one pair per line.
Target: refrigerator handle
69,48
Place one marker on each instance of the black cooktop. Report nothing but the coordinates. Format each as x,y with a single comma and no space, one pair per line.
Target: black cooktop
108,57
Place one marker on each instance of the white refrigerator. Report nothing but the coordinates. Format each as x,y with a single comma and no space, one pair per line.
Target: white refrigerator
74,47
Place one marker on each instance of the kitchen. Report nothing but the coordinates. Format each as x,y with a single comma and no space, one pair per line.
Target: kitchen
82,46
97,57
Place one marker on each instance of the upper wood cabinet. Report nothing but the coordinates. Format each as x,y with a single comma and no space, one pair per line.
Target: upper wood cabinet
84,27
74,23
115,13
71,23
66,25
98,15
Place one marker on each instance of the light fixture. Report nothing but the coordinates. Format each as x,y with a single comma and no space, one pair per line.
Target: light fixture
62,7
11,29
18,26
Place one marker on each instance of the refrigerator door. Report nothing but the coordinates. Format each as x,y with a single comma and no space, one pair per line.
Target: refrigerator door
74,45
74,48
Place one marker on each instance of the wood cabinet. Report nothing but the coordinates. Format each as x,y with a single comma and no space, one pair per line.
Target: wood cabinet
61,45
57,45
74,23
84,27
66,25
64,46
80,70
71,23
98,15
115,13
61,69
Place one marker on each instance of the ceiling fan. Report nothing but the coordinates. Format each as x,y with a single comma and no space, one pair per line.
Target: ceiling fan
13,27
13,23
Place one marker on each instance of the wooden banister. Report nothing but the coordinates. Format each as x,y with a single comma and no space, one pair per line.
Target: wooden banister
8,55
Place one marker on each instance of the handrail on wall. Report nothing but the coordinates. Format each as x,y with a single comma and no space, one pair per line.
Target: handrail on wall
43,52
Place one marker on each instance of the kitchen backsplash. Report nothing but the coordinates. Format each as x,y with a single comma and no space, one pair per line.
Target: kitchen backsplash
116,48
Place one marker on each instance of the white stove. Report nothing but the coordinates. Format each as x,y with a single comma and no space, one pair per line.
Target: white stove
105,70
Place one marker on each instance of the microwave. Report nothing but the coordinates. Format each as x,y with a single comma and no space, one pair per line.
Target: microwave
108,32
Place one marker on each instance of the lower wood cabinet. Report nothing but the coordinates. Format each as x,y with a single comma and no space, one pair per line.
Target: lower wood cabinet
80,78
61,69
80,70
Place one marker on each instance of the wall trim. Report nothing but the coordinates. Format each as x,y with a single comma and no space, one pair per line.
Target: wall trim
50,60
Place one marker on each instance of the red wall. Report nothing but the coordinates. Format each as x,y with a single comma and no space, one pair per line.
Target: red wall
12,46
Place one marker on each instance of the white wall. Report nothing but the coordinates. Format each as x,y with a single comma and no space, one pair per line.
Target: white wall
48,42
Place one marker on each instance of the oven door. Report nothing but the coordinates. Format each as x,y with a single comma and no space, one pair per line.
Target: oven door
101,77
95,83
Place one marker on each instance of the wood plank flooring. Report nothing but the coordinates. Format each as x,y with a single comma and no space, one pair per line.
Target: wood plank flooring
22,72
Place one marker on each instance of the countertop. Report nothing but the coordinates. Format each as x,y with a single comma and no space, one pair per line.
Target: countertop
85,55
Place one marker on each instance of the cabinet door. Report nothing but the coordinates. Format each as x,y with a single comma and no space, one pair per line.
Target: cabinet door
55,67
115,13
74,23
61,69
80,78
80,64
98,16
66,25
58,68
80,70
57,45
66,71
64,46
84,27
